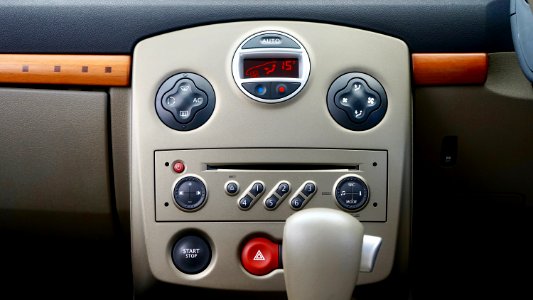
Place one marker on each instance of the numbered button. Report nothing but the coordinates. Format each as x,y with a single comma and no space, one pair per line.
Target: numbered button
297,202
309,189
271,202
251,195
245,202
280,191
306,191
283,189
257,189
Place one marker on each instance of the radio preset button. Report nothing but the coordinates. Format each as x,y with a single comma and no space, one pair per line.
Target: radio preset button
257,188
305,192
309,189
251,194
271,202
245,202
274,198
297,202
283,189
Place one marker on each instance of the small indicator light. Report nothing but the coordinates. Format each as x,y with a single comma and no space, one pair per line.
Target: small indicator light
178,167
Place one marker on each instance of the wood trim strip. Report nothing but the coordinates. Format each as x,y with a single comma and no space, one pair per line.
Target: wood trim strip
94,70
114,70
450,68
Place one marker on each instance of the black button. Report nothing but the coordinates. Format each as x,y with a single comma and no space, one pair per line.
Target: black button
258,89
282,89
257,189
297,202
357,100
373,106
232,188
190,193
245,202
309,188
271,202
270,40
191,254
351,193
283,189
186,101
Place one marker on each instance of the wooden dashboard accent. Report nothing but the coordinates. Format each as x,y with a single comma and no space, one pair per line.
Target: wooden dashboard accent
114,70
449,68
95,70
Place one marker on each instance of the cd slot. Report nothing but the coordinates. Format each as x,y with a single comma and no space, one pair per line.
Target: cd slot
282,167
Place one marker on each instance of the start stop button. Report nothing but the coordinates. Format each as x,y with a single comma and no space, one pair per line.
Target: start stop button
191,254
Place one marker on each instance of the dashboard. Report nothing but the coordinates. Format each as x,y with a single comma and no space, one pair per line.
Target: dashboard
263,149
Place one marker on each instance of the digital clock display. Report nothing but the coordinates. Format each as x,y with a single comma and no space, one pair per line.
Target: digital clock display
270,67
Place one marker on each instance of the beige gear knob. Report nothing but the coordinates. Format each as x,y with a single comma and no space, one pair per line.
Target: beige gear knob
321,254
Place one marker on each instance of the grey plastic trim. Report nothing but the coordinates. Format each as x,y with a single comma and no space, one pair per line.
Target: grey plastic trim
115,26
369,254
522,29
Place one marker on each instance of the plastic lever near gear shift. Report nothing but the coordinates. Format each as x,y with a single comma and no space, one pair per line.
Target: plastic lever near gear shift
321,254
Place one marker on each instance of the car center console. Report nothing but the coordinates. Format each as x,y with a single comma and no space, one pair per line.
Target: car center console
237,126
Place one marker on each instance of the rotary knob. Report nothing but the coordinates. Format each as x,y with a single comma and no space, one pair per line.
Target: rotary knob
351,193
190,193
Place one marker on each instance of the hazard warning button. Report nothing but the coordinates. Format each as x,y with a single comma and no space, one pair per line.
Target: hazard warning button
260,256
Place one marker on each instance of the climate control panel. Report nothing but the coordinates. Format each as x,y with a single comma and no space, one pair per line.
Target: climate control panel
232,185
271,66
185,101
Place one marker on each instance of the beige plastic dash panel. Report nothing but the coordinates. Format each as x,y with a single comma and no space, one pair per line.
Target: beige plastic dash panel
239,122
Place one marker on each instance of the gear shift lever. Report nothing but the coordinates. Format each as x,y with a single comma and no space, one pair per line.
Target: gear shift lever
321,254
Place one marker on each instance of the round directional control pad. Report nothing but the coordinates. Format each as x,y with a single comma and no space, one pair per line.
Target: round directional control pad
351,193
190,193
185,101
357,101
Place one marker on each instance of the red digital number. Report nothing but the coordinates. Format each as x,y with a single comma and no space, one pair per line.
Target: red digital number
287,65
